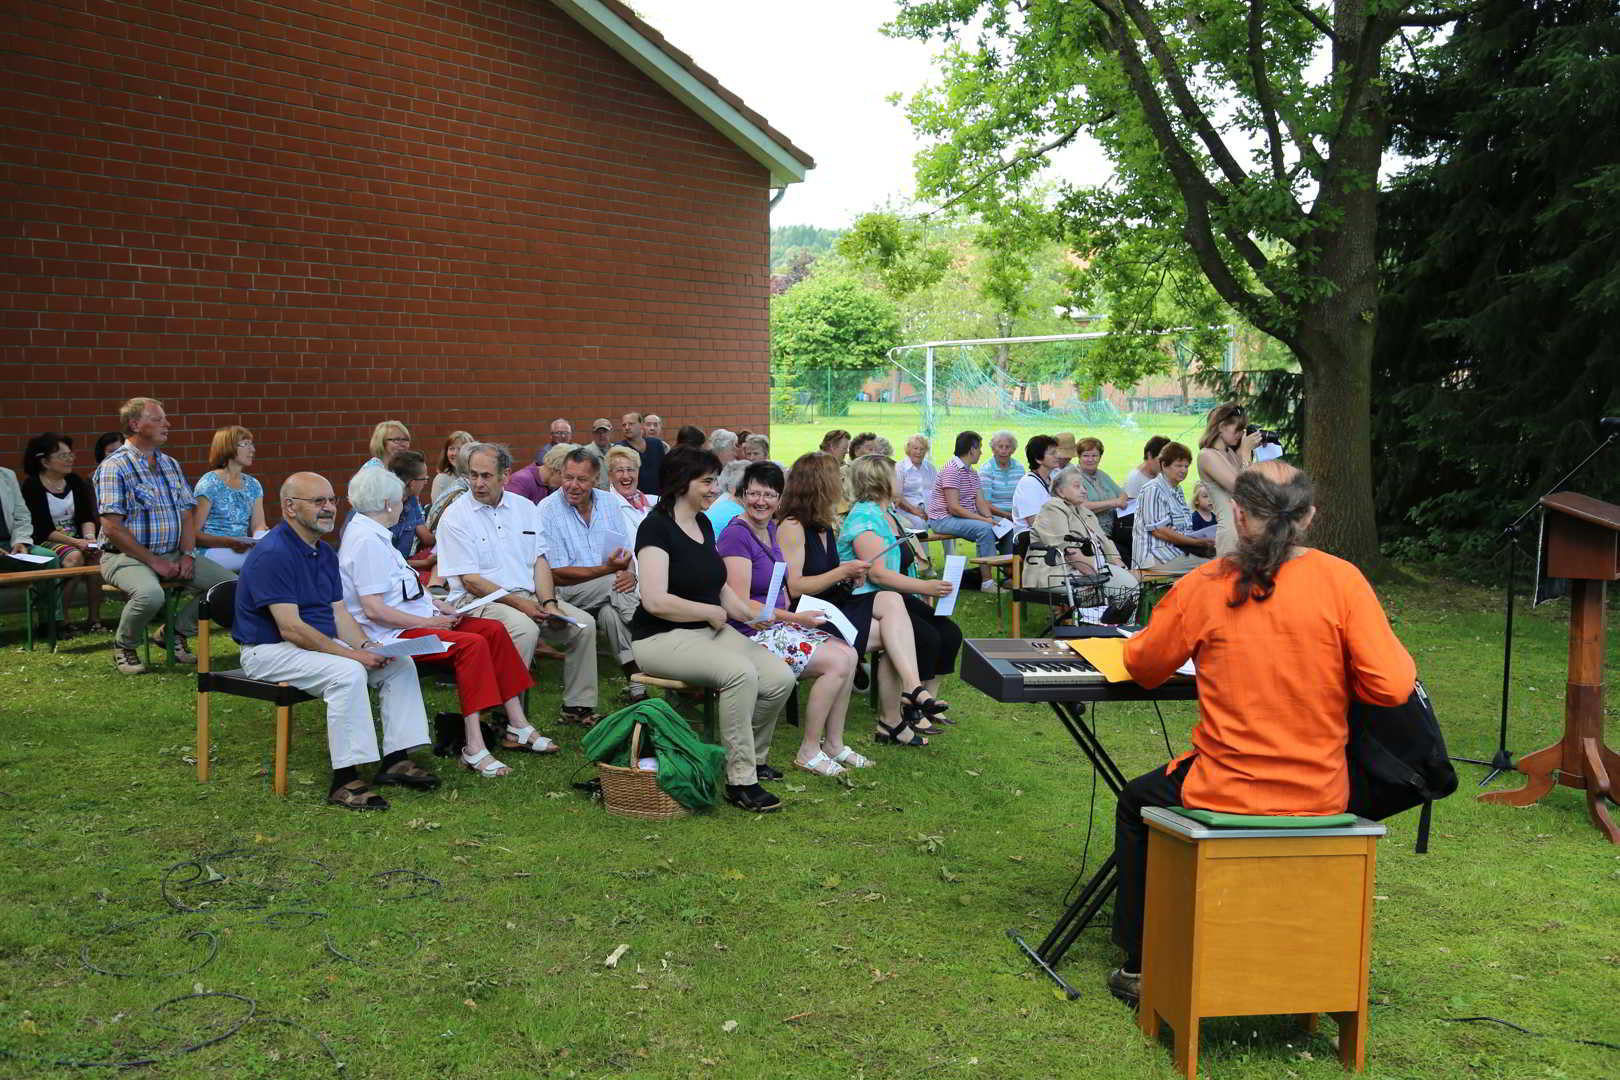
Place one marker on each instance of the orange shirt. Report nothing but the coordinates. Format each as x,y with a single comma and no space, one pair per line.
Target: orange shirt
1275,680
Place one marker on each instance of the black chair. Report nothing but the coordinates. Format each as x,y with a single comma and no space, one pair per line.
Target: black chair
219,606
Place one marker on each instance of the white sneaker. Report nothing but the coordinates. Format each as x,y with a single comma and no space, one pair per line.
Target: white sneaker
989,586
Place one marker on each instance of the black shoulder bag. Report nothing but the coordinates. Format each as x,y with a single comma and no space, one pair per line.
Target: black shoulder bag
1398,761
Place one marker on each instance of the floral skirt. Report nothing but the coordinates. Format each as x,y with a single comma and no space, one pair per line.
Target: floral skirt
793,645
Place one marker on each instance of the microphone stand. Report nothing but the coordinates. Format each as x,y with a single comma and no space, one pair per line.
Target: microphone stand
1502,761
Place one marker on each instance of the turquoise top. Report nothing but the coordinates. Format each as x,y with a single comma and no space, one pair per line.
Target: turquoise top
721,511
868,517
230,512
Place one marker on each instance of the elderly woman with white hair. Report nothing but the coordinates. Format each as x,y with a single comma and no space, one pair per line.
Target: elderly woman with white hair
387,599
387,439
729,504
914,476
723,444
623,466
756,448
1066,527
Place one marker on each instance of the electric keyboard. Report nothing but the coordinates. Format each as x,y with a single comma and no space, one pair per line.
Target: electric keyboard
1038,669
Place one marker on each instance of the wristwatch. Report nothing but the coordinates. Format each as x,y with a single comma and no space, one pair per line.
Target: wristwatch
548,600
192,554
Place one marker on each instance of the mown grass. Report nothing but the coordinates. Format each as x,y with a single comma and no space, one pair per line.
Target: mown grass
861,933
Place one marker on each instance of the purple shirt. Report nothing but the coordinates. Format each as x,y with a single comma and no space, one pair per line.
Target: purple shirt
963,479
738,541
526,482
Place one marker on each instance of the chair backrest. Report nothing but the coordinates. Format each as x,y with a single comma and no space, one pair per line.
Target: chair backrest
219,604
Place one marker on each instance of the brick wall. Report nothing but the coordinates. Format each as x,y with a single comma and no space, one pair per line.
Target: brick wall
306,217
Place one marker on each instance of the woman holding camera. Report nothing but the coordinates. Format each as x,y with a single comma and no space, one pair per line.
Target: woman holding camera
1225,450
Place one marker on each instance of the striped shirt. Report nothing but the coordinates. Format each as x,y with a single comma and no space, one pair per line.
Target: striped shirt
1160,505
999,484
150,500
568,540
964,480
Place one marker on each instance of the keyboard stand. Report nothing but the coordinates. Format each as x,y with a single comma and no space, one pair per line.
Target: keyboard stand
1079,914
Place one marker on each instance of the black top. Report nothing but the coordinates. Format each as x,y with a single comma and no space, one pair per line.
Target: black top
84,504
649,480
696,571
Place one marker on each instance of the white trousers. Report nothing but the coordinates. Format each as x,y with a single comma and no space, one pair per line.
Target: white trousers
351,738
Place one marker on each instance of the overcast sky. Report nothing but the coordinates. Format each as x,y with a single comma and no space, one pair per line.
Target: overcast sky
819,72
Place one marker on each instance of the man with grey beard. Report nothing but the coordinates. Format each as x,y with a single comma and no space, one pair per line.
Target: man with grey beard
293,628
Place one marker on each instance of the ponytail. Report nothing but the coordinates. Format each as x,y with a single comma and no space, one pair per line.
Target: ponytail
1281,508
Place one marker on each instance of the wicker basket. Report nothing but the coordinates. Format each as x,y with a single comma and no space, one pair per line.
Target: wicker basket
634,792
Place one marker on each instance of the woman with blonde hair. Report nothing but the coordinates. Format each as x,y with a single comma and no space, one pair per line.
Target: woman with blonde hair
1225,450
623,466
387,439
447,477
230,503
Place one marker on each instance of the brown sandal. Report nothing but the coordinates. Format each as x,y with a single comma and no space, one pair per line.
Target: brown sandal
407,773
582,715
355,795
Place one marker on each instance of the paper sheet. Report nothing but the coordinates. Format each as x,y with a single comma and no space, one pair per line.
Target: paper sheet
29,557
410,646
479,601
954,565
835,618
1206,533
778,573
1130,508
1268,451
1107,655
1003,526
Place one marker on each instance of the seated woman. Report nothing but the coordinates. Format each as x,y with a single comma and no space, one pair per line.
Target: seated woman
1065,516
681,630
230,503
386,599
916,480
412,538
806,531
447,477
1034,488
729,502
749,547
1163,519
107,443
63,508
624,470
387,439
872,534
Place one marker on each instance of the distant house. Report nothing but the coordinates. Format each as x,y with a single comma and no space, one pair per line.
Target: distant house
308,218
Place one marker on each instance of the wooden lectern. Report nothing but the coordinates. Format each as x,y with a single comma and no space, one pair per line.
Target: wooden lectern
1583,545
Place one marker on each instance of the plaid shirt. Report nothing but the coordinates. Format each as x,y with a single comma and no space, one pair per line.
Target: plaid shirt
152,501
567,541
1000,483
963,479
1160,505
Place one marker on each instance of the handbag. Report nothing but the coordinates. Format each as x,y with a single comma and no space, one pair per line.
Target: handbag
1397,758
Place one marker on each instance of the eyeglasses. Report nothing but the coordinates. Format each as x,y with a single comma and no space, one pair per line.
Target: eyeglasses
398,438
319,500
405,593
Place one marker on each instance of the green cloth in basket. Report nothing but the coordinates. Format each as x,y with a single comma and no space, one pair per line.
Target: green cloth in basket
1217,820
690,771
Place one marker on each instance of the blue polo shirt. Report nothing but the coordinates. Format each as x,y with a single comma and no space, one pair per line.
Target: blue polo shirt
282,569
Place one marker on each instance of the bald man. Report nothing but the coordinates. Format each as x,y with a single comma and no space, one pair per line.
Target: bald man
293,628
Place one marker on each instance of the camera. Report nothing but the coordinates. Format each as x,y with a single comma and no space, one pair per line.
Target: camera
1265,436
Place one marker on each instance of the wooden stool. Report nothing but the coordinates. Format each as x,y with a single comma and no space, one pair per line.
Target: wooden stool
676,686
1011,567
1256,921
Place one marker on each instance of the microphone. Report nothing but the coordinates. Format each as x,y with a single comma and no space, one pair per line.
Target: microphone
1609,426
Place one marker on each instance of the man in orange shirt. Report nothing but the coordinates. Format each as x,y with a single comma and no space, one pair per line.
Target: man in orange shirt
1283,638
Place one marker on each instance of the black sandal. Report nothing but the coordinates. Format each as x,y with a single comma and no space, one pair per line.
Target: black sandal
891,735
932,709
355,795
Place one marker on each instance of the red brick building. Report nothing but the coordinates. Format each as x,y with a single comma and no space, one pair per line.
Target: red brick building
309,216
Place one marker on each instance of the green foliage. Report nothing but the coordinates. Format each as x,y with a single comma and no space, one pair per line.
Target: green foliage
790,242
828,334
897,251
1498,338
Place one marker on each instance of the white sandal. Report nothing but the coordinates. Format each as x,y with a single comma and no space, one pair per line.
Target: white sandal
484,764
821,765
851,760
528,740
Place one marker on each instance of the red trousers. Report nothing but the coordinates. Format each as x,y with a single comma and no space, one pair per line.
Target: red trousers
488,668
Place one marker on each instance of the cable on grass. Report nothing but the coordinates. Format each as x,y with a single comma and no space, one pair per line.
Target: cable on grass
416,947
208,935
427,886
204,873
241,1022
1526,1031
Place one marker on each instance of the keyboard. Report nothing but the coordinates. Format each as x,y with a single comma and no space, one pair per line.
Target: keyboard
1040,669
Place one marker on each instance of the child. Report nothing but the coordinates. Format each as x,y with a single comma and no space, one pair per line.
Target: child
1203,508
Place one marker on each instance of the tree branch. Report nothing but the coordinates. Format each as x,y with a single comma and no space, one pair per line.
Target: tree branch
1262,89
1439,18
1314,19
1028,155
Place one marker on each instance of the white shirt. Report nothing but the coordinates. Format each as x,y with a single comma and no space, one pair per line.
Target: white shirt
372,566
633,517
1028,498
1134,481
916,481
498,543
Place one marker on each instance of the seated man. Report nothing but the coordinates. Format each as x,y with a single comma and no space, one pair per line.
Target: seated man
1163,519
491,542
588,548
1283,637
293,628
957,508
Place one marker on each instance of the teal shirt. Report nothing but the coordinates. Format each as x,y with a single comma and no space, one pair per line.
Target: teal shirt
867,517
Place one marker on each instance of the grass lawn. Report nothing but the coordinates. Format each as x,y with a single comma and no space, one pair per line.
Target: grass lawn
1122,442
861,933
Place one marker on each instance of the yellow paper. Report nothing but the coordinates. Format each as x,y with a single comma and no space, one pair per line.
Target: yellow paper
1106,654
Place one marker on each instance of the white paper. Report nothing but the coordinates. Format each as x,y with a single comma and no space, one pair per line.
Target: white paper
778,574
1206,533
24,556
1003,526
410,646
647,764
479,601
954,565
1130,508
1187,668
1268,451
845,628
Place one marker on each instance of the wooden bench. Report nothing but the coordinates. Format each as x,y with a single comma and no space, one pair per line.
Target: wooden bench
30,577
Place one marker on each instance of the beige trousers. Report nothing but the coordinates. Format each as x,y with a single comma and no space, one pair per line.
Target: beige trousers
145,593
612,610
753,686
578,644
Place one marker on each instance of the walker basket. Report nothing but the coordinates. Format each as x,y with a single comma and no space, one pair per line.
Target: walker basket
634,792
